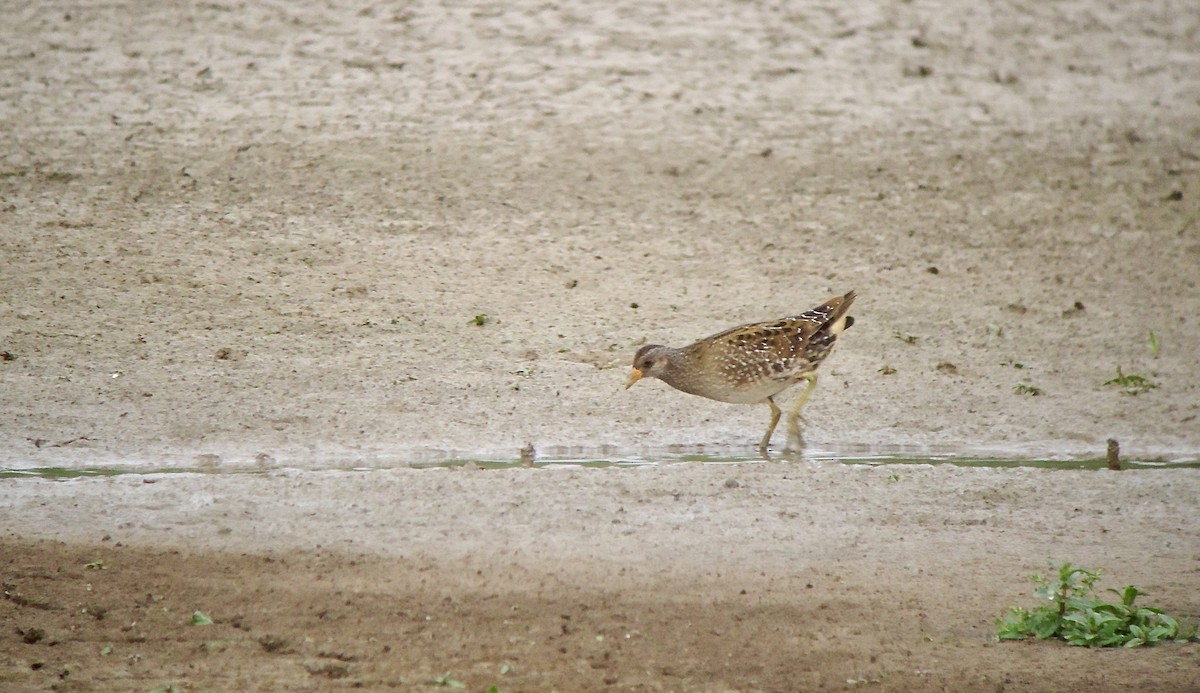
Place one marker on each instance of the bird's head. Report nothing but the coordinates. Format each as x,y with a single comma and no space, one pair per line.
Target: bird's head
650,361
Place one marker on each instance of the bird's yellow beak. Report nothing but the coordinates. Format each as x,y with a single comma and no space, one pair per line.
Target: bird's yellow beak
634,376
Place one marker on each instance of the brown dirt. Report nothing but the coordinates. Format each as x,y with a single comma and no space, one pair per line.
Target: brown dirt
767,577
258,235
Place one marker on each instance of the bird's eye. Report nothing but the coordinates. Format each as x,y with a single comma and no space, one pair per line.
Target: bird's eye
649,363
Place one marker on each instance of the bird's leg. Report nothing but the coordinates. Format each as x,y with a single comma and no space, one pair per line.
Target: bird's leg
776,412
795,439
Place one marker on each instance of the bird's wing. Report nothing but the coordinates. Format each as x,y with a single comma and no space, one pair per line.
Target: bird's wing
780,349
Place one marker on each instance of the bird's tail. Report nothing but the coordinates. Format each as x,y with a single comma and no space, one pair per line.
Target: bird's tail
835,313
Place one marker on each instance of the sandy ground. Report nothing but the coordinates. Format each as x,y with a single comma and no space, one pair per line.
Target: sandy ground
263,235
744,577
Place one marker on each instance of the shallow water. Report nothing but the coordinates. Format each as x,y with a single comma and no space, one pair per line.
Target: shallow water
1097,463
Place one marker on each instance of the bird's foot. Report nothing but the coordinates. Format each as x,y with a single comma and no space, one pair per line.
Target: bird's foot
795,438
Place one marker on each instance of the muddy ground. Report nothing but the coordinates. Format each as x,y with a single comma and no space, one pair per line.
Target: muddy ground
711,577
298,237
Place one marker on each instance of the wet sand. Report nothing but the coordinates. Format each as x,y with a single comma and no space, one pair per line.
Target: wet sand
315,236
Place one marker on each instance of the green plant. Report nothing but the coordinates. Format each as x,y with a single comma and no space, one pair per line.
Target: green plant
906,338
446,680
1155,344
199,618
1027,389
1076,616
1132,384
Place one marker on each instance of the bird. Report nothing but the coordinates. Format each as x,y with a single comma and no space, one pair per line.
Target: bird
752,363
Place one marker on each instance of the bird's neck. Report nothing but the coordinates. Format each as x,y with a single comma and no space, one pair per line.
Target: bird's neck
681,365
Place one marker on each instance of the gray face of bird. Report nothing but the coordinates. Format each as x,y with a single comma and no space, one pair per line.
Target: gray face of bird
650,361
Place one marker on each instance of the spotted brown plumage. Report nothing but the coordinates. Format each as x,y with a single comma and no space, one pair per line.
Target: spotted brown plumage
752,363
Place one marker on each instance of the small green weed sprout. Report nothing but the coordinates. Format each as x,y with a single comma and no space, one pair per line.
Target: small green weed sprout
1132,384
448,681
1076,616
